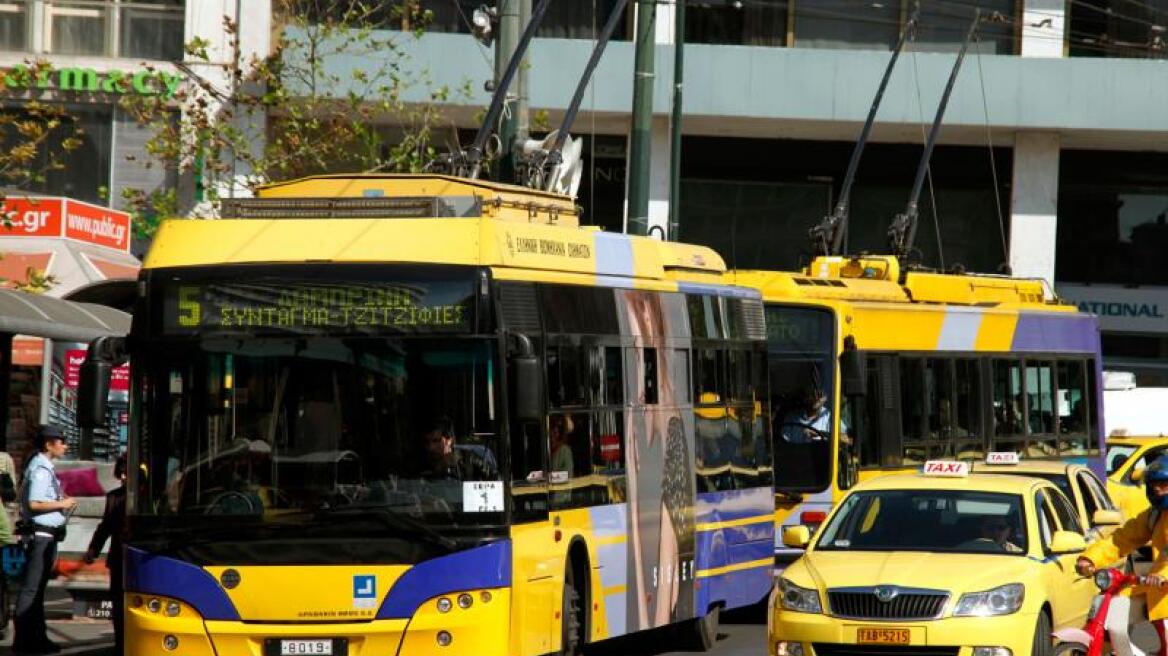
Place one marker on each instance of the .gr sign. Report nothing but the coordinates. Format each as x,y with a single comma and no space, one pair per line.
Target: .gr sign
88,80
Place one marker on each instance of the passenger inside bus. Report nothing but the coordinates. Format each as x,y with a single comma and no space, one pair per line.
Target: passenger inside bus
446,460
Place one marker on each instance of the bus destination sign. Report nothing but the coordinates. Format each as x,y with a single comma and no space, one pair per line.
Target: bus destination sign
318,308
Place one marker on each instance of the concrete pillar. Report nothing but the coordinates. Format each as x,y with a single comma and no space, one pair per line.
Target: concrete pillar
1044,26
658,181
1034,205
254,21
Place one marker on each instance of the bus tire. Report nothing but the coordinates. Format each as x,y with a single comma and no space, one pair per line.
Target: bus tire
572,624
703,631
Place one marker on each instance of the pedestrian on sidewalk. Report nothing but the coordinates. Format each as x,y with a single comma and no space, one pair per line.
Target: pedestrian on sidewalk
42,511
112,525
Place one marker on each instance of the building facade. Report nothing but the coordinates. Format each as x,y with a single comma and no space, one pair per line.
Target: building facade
1052,161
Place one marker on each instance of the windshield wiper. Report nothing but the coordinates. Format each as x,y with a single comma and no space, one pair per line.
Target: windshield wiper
390,519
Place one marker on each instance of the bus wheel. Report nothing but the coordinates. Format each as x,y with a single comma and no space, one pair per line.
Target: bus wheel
571,633
703,631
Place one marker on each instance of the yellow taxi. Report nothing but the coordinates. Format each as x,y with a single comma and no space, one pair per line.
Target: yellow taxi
1125,461
940,562
1098,513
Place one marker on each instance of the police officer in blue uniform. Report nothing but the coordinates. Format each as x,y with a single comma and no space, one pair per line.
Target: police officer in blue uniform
42,510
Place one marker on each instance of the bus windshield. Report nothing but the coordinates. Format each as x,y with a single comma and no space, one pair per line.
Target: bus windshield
275,427
802,380
340,431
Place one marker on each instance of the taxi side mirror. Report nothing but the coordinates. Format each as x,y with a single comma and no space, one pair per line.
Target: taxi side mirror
1067,542
796,537
1106,518
1137,475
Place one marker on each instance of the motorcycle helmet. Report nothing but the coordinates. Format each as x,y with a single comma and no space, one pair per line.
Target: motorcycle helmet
1157,472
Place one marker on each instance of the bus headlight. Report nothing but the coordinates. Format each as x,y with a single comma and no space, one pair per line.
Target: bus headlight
465,601
1002,600
173,608
444,605
799,599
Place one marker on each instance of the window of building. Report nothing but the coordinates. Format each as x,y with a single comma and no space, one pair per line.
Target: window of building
145,29
846,24
86,169
737,23
564,20
13,27
943,26
1117,28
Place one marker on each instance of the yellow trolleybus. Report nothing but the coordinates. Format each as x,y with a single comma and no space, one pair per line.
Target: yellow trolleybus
874,369
402,414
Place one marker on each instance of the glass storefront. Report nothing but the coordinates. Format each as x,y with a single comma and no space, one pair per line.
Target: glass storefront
85,174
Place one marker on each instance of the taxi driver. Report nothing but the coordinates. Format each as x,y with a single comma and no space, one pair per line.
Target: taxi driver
995,532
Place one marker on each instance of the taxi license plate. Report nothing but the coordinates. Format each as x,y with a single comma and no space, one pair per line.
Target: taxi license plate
306,647
882,636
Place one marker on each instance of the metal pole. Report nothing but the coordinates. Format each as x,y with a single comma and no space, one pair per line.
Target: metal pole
474,154
509,26
522,116
675,120
640,142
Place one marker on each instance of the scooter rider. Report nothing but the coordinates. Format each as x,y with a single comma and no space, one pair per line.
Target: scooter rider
1149,527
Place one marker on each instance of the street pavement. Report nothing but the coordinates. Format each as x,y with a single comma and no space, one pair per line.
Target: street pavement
742,633
75,636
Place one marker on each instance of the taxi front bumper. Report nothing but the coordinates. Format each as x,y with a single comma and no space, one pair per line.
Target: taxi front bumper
814,634
481,630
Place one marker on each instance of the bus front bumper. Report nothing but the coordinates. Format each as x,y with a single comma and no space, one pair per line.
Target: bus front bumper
481,630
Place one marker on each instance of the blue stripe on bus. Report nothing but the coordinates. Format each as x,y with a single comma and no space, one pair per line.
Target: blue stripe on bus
735,589
733,505
713,551
482,567
1056,333
151,574
614,255
718,290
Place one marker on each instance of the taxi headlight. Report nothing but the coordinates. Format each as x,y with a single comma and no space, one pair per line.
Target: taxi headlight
799,599
1002,600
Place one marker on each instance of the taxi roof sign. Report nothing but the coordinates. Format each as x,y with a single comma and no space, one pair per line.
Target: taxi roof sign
1002,458
951,468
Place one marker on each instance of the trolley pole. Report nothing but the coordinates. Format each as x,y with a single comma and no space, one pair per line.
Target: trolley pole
675,121
640,143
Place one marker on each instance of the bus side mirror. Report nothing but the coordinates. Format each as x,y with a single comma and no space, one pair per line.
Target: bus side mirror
526,380
93,393
853,370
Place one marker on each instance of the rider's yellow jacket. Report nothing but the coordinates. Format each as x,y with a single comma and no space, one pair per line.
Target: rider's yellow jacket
1148,527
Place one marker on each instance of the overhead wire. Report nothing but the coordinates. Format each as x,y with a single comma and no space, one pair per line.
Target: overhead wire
993,165
928,165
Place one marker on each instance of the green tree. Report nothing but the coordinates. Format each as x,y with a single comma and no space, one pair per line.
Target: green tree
318,120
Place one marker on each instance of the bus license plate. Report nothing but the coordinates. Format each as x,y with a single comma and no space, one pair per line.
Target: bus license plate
882,636
306,648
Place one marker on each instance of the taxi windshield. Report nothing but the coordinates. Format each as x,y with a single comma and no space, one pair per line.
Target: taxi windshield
946,521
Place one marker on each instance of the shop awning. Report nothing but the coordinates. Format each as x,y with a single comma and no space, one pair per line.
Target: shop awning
43,316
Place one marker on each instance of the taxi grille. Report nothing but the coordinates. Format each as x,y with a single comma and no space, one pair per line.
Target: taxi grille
825,649
864,605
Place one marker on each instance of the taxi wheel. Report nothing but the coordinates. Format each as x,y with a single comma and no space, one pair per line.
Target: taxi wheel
1042,645
1070,649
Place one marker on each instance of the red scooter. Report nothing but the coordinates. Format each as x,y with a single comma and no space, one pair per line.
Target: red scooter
1091,639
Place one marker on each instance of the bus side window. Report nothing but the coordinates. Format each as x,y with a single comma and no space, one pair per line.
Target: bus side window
1073,407
1009,407
608,458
